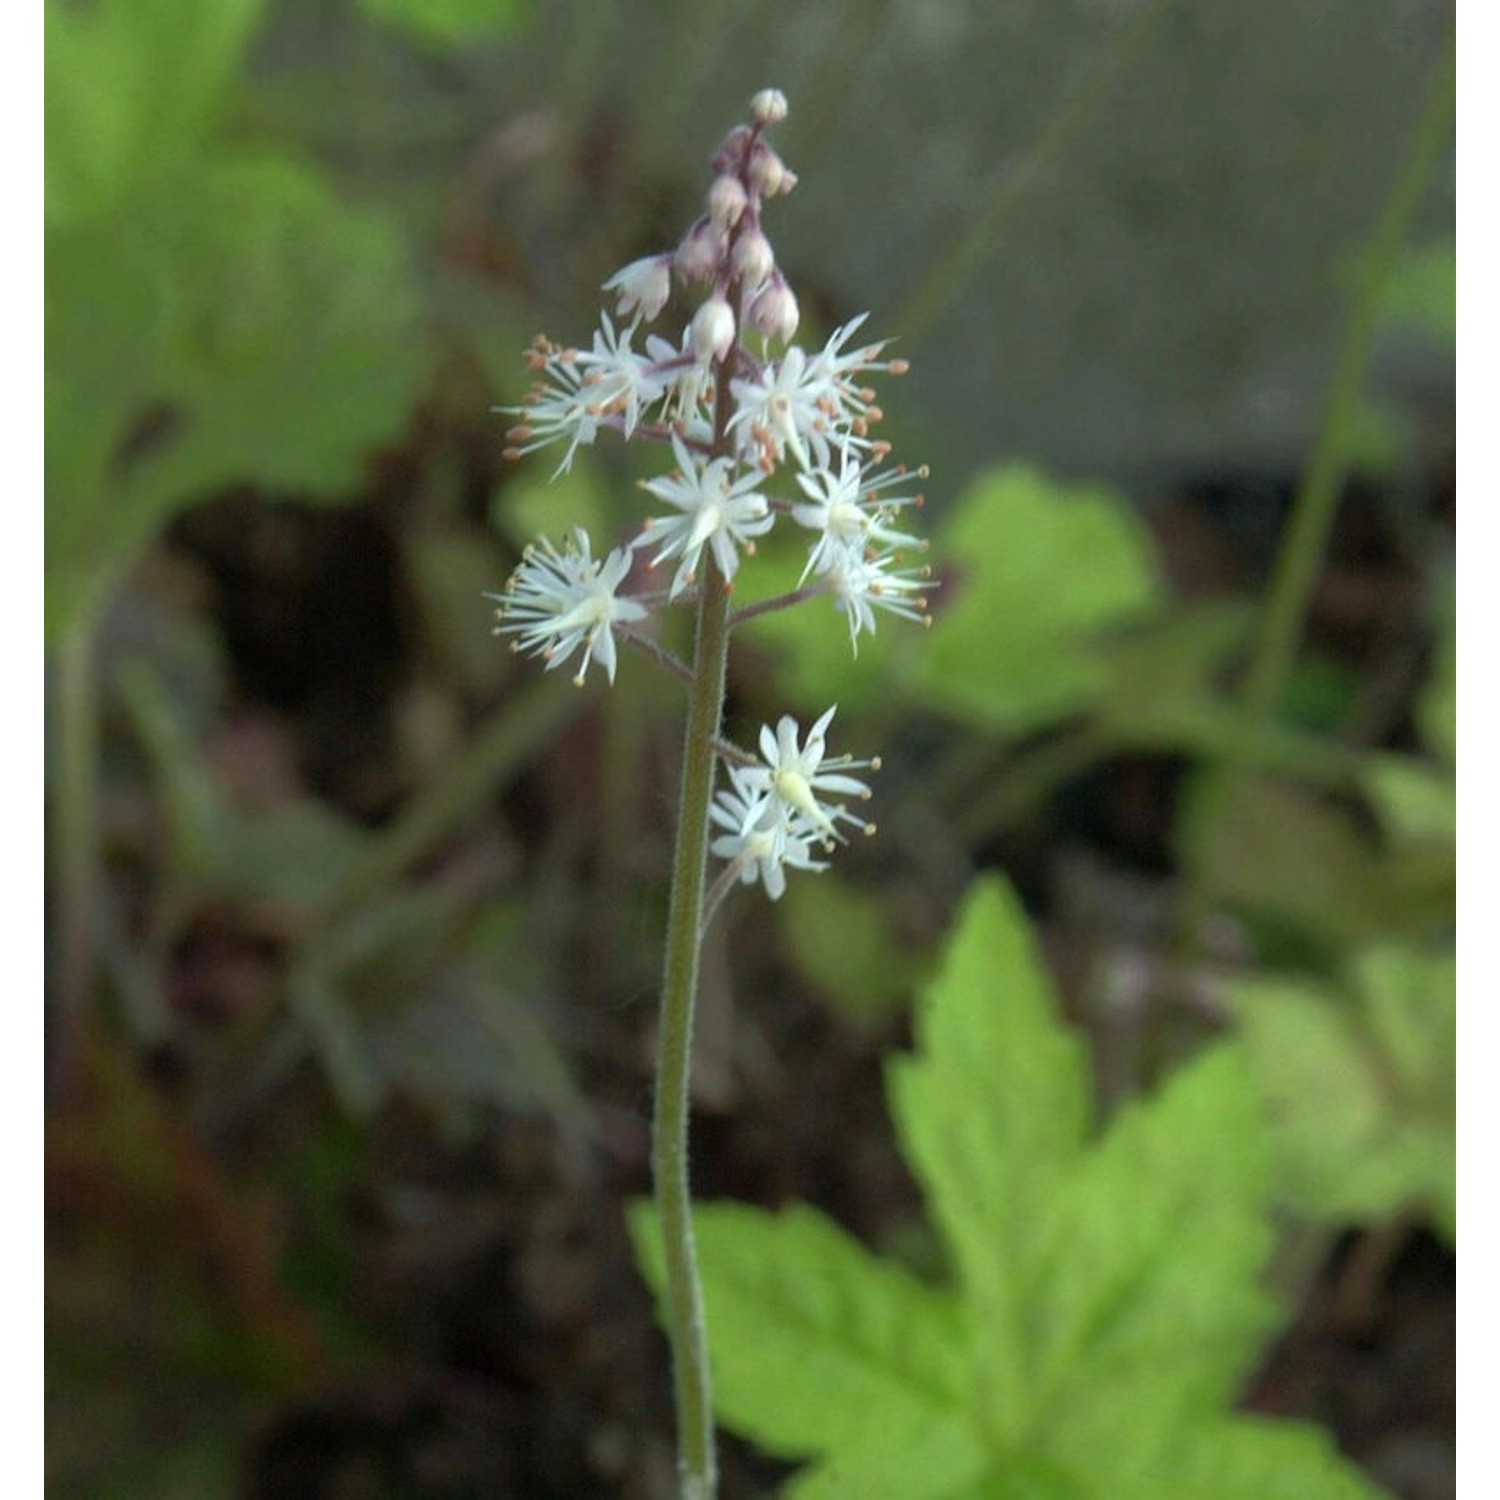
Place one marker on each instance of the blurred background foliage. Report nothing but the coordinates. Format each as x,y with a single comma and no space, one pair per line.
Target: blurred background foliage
353,923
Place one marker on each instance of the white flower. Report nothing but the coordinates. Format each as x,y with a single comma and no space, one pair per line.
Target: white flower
852,406
779,409
811,404
555,410
617,380
793,775
560,600
716,513
773,310
850,513
860,585
643,284
712,330
607,385
762,836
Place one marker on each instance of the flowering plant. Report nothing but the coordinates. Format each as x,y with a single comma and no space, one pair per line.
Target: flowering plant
760,432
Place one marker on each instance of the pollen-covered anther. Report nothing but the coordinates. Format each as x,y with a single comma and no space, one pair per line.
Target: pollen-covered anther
518,434
879,449
898,367
511,455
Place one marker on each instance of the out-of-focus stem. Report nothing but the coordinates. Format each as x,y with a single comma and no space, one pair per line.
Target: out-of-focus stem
1317,499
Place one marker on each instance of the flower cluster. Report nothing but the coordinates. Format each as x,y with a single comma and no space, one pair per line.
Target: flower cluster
759,430
775,811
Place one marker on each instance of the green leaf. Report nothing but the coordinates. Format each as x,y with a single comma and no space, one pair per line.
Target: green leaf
1106,1303
112,301
992,1113
532,505
448,22
133,89
303,349
1359,1089
821,1350
1309,875
1147,1308
1039,571
1251,1458
1414,802
238,324
841,939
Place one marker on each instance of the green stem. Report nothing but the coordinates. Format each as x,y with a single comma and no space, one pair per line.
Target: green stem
75,832
684,1298
1316,501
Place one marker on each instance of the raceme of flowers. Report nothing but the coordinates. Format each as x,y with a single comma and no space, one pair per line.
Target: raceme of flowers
759,432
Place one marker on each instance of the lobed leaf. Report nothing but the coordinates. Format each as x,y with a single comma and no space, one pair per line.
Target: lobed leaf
1040,570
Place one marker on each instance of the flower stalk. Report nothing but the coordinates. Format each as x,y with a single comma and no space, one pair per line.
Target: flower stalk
756,436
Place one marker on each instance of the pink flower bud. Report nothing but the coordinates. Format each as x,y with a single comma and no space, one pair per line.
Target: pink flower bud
731,153
753,259
712,330
726,202
767,173
768,107
701,253
774,311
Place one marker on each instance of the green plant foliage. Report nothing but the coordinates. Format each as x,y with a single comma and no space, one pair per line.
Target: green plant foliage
1034,573
214,316
444,23
1414,802
1422,292
1359,1085
1305,872
134,89
841,938
271,331
1104,1305
533,504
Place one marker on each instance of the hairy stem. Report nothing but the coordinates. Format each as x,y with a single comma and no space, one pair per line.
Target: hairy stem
697,1465
684,1298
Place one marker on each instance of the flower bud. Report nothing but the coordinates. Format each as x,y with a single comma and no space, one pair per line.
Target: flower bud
701,253
726,202
644,284
752,260
731,153
774,311
768,175
768,107
712,330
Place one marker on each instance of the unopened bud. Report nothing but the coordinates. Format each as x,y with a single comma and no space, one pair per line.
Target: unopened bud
731,153
712,330
726,202
768,107
701,252
753,259
774,311
767,173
